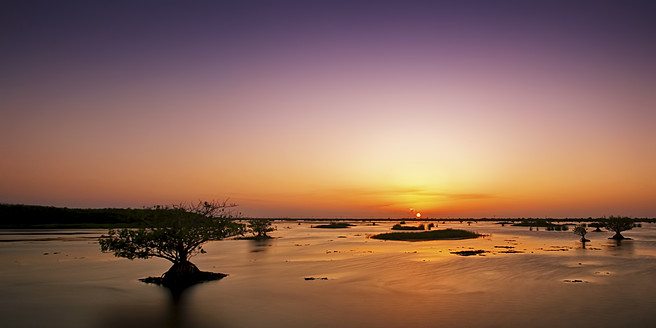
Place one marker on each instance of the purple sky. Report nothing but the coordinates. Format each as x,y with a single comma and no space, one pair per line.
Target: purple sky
332,108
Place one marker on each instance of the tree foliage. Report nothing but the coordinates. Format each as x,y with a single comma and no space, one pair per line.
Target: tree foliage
175,233
260,228
581,231
618,224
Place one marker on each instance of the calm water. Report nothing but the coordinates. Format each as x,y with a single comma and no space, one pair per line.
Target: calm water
59,278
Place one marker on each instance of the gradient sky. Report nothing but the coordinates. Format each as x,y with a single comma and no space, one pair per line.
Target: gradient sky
332,108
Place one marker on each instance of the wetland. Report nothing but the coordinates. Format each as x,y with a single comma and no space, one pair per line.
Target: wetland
306,277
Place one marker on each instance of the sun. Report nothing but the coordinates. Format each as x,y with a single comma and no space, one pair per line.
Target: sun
418,215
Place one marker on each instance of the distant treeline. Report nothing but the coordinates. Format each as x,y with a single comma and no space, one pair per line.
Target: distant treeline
524,221
28,216
31,216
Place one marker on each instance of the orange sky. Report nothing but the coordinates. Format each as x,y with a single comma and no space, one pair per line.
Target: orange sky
333,112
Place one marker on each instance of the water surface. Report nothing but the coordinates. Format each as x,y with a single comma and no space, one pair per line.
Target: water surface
59,278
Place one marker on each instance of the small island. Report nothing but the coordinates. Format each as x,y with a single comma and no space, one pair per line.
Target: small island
334,225
427,235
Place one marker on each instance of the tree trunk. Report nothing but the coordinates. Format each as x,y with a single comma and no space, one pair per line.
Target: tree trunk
618,235
180,274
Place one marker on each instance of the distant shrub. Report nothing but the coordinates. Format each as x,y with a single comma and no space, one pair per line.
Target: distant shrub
618,224
402,227
260,228
597,226
581,231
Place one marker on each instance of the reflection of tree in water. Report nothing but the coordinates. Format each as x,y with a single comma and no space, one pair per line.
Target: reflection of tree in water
260,245
177,310
620,247
173,312
166,308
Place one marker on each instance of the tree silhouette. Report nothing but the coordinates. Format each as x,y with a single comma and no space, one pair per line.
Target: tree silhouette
618,224
596,225
581,231
260,227
175,233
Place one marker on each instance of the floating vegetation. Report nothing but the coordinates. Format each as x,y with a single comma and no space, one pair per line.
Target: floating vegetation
313,278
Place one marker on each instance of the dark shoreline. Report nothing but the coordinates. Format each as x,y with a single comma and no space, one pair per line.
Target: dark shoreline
15,216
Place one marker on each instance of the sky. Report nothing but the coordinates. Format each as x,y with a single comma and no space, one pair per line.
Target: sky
341,109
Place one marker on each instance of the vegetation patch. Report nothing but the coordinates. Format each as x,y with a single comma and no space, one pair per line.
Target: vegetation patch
334,225
469,252
576,281
541,223
427,235
402,227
